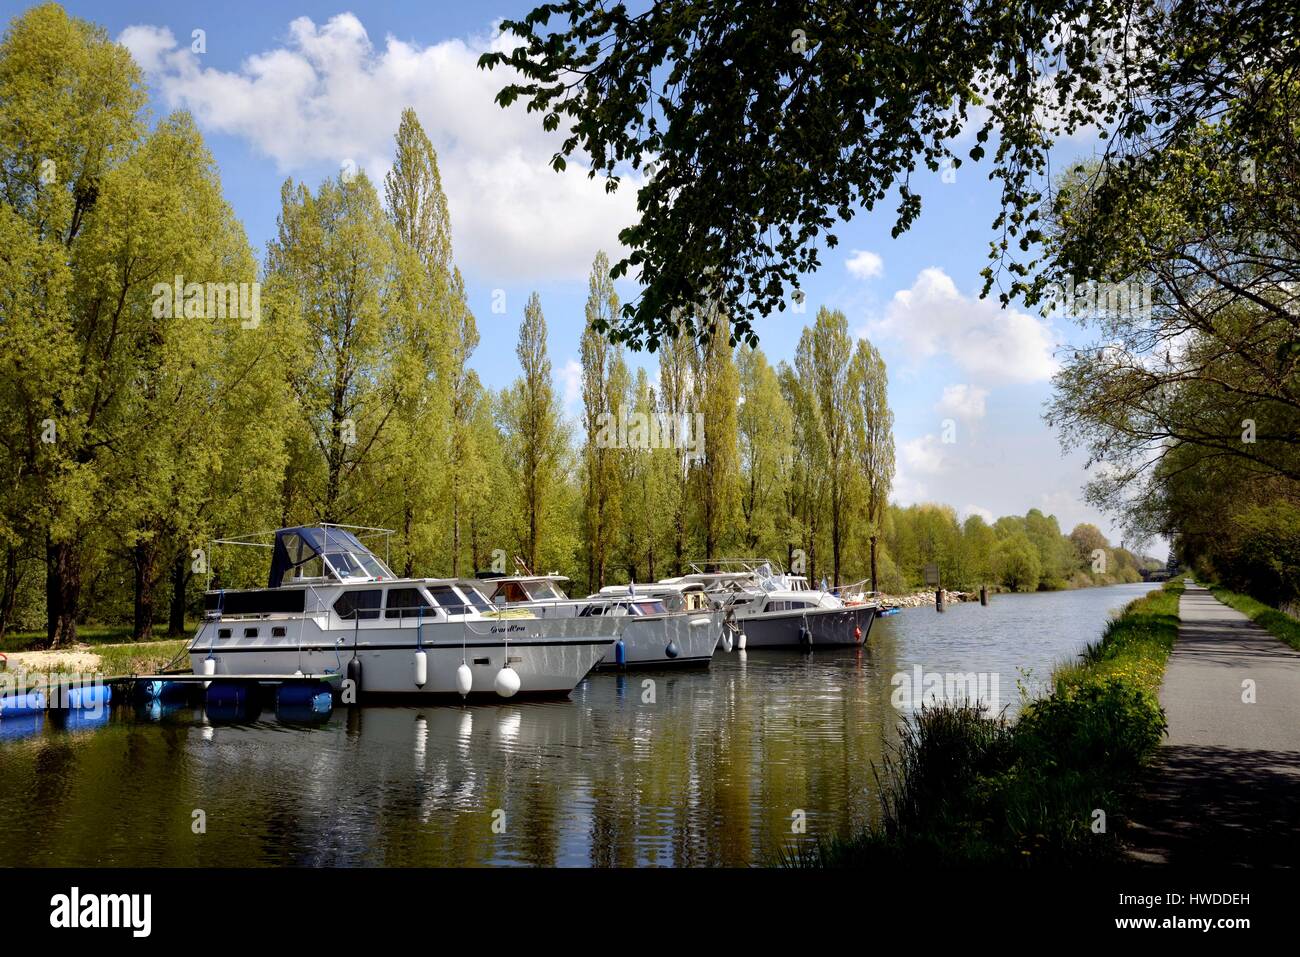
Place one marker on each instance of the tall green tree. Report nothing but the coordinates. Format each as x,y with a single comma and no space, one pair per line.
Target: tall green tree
535,442
715,474
434,335
826,350
676,399
330,272
601,402
764,424
871,442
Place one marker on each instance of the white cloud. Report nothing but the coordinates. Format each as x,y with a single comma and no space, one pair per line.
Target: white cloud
571,379
966,511
962,402
990,343
864,264
329,94
924,455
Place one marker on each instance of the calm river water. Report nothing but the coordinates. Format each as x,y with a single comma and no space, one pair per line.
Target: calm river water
714,771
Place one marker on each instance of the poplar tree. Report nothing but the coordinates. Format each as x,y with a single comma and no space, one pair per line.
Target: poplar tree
717,390
600,402
764,425
535,441
826,350
675,389
872,441
435,335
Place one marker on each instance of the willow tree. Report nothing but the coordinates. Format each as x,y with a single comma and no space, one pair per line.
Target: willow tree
204,388
329,274
535,442
97,215
871,440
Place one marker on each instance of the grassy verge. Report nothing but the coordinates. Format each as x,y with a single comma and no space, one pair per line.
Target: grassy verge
138,658
113,660
93,635
1277,623
966,789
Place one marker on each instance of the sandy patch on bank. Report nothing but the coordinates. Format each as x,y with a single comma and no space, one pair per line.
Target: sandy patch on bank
76,659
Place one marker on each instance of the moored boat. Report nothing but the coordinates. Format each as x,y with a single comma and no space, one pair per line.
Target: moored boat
331,607
662,626
768,608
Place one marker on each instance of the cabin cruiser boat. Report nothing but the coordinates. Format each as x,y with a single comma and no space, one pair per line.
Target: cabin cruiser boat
331,607
768,608
661,625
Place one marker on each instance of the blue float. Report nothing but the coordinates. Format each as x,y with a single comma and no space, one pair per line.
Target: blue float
168,691
17,726
231,700
90,697
24,703
85,720
303,701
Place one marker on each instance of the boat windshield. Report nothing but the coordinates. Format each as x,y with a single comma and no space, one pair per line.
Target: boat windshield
477,599
544,590
348,565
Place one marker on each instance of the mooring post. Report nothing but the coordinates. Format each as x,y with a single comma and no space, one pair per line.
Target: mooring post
938,599
984,594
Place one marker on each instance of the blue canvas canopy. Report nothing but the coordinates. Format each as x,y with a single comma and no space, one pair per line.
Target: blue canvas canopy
340,554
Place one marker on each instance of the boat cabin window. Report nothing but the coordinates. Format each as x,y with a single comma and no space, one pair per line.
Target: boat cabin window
787,605
450,600
359,604
405,603
642,606
510,592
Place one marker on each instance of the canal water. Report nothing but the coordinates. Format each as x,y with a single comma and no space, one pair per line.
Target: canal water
708,767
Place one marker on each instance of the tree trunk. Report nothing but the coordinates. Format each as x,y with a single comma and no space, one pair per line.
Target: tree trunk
143,557
9,594
176,610
62,592
407,521
455,529
874,586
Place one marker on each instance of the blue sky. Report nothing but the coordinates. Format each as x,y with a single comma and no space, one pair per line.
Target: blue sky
299,89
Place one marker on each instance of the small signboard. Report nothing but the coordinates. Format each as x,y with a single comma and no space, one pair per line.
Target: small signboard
932,574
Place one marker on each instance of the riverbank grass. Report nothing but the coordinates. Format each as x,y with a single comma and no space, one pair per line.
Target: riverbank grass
109,660
964,788
1277,623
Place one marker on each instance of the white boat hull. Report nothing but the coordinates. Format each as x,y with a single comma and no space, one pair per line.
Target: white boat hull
550,657
647,640
825,627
